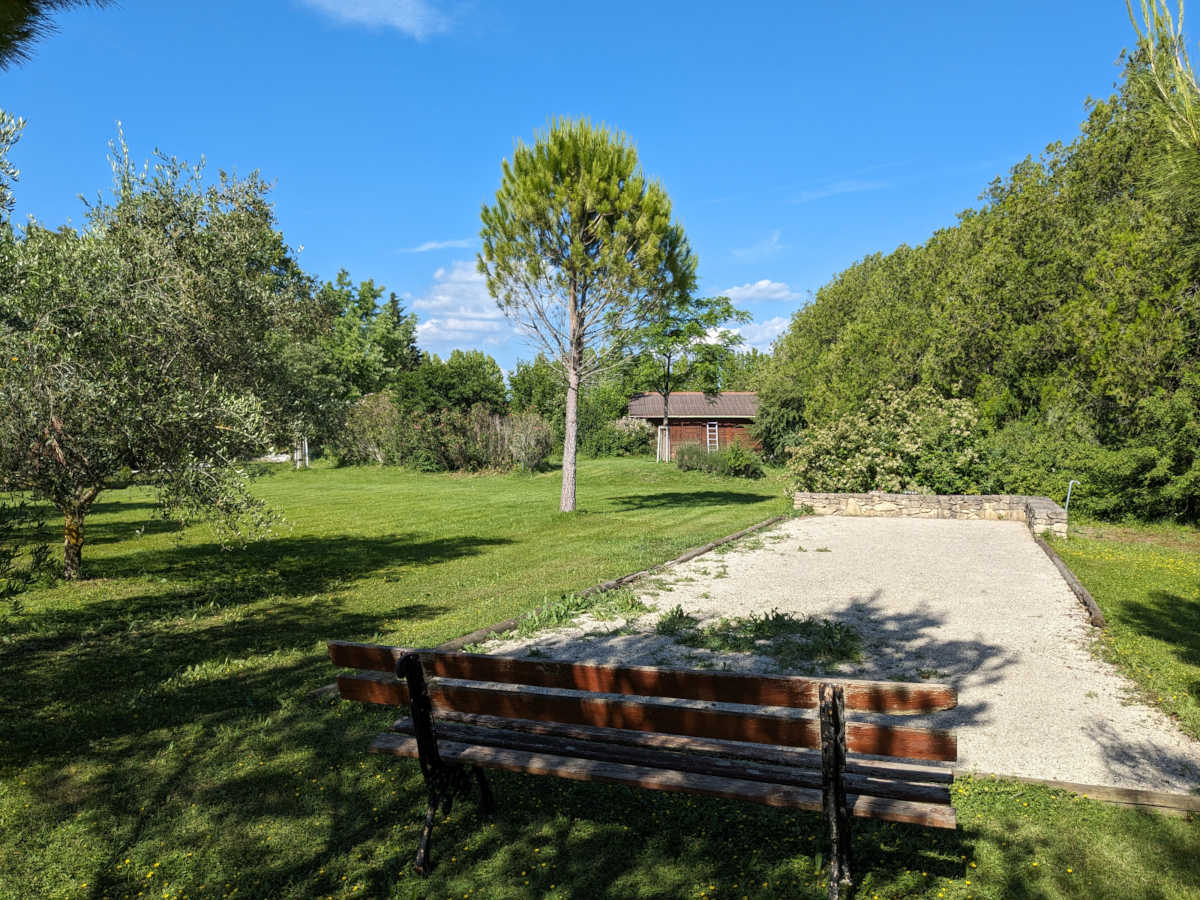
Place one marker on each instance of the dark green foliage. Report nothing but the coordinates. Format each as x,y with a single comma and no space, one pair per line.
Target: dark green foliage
1064,309
741,370
622,437
467,378
687,342
734,461
603,428
540,387
371,345
675,622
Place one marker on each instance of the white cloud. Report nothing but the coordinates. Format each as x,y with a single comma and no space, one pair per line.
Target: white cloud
761,290
416,18
760,335
764,249
458,311
845,186
460,243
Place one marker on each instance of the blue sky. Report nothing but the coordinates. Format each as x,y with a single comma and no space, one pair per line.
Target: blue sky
793,138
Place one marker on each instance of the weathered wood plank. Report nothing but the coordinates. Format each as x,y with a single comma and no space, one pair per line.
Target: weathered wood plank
649,714
933,815
685,684
798,776
787,756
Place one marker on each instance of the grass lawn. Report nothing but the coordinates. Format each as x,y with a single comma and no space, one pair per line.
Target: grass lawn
1146,581
157,738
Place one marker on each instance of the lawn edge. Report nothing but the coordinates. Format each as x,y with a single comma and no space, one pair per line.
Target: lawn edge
488,631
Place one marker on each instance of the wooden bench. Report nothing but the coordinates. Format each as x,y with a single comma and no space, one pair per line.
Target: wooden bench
719,734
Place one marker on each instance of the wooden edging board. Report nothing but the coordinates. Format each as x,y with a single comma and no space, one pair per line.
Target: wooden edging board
1073,583
488,631
1163,802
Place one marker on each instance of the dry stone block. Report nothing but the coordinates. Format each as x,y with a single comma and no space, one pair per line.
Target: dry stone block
1041,514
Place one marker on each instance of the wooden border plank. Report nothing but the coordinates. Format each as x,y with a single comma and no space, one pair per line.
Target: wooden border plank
1076,586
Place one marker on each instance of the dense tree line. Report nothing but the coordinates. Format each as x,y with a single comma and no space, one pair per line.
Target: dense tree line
1064,310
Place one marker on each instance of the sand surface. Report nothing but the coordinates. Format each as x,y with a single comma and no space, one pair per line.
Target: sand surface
976,604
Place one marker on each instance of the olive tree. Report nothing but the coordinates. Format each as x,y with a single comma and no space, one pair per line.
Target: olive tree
573,250
149,341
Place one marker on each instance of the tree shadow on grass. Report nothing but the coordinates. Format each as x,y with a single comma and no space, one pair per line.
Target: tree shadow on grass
284,567
1169,618
200,740
588,840
207,646
686,499
112,687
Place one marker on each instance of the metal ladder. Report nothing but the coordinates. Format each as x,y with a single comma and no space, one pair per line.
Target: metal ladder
712,437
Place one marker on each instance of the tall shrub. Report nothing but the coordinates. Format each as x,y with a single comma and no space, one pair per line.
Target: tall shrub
913,440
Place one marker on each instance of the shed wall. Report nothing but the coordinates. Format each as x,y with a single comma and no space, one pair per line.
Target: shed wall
692,431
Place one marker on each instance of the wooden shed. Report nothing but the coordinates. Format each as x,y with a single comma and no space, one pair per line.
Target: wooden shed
712,422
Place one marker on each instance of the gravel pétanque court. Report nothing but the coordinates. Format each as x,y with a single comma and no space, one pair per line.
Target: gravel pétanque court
974,603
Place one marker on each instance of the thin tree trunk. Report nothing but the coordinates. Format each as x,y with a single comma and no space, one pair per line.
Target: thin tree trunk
566,502
570,439
73,543
666,395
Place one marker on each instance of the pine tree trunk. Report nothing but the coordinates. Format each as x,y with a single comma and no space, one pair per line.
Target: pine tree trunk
570,439
73,543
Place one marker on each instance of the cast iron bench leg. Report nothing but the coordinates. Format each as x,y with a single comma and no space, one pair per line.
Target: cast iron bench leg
423,864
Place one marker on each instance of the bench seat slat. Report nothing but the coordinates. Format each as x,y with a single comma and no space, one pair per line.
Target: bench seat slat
648,714
796,776
930,814
787,756
685,684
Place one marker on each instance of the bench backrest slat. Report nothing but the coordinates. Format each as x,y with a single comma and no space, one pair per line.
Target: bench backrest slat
645,714
646,681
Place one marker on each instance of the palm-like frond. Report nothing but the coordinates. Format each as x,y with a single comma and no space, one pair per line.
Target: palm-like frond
1169,81
24,22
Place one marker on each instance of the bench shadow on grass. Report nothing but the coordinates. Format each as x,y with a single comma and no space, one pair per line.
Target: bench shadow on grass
591,840
249,755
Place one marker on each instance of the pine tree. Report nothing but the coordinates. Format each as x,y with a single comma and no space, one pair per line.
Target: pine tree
573,250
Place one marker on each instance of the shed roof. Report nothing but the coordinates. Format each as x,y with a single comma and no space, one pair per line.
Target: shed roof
694,405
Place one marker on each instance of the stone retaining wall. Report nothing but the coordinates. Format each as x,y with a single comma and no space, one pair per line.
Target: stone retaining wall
1041,514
